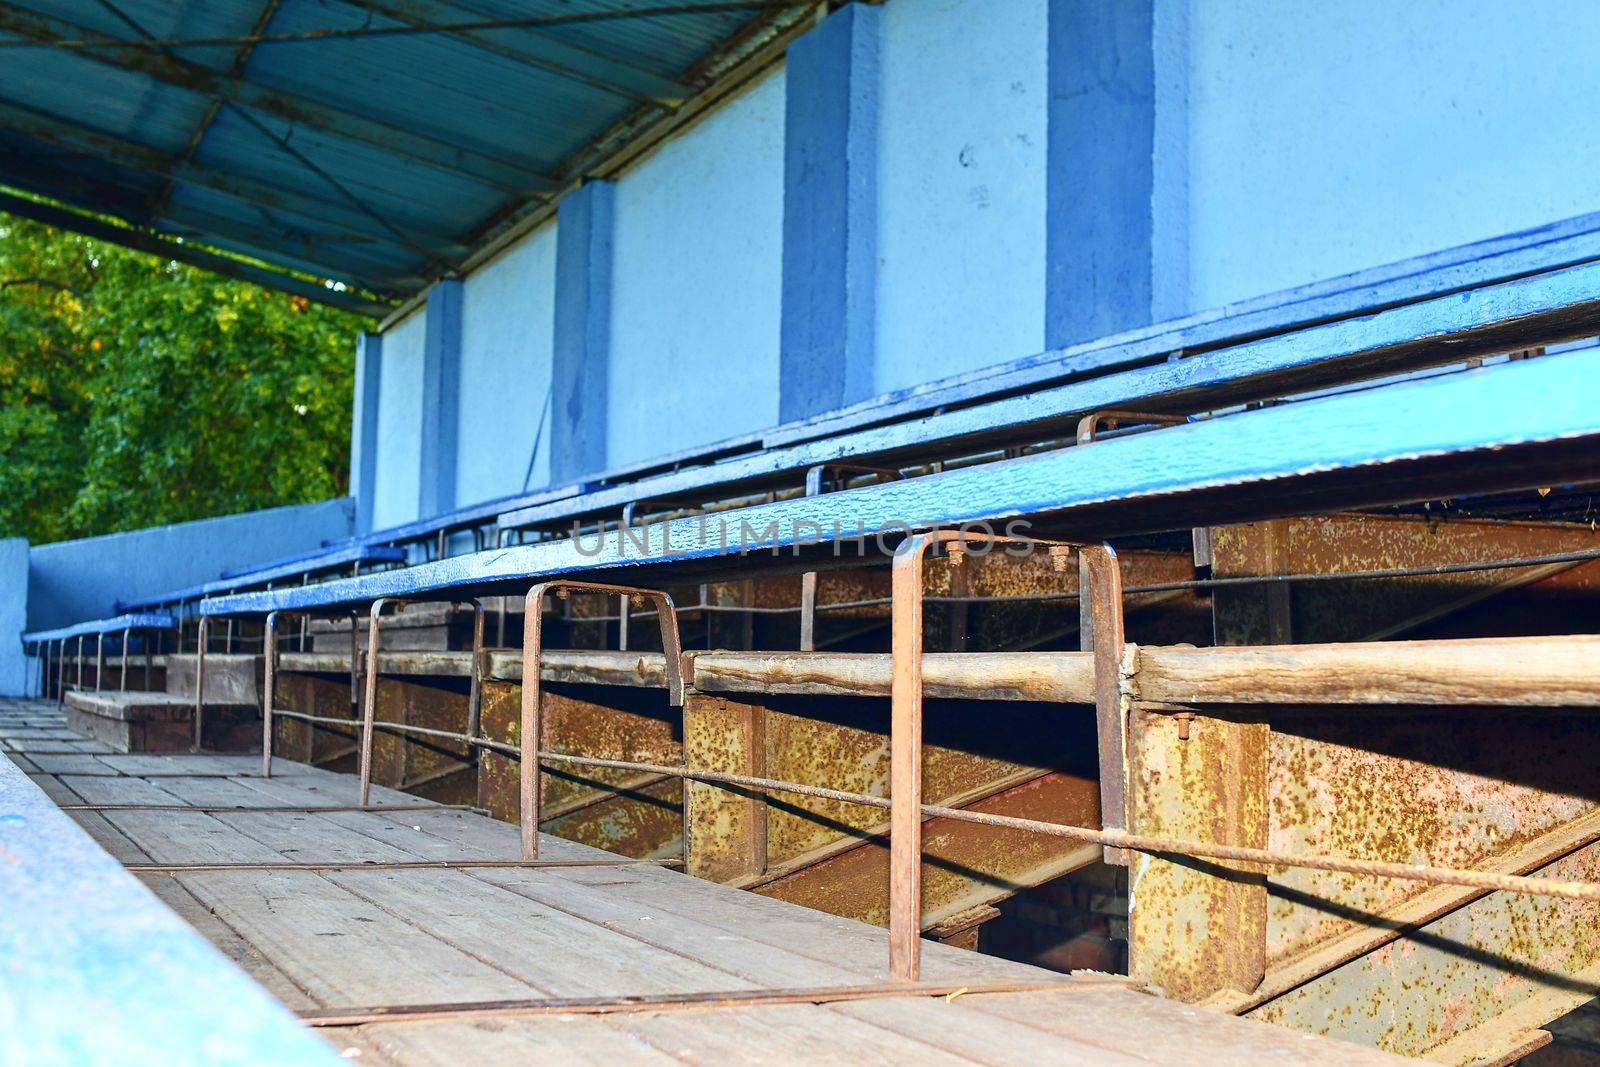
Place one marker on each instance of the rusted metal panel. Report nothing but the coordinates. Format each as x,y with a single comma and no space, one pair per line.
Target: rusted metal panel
615,722
965,865
1197,927
1456,974
1516,600
1431,787
726,827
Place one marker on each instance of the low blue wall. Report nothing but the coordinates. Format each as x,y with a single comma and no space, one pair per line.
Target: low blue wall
14,680
70,581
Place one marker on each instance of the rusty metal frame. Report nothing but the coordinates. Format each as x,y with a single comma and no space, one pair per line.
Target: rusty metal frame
531,781
809,579
204,631
369,709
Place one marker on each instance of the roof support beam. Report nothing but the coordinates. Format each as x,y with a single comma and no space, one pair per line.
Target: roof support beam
195,257
546,53
286,106
113,149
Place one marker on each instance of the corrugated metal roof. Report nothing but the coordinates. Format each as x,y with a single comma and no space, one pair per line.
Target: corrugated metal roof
375,159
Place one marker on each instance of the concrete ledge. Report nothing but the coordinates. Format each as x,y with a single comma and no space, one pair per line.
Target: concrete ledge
161,722
99,971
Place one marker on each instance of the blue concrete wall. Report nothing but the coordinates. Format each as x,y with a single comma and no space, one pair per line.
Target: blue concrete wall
399,423
441,399
15,679
507,320
364,427
580,343
830,214
1034,172
1328,137
697,277
71,581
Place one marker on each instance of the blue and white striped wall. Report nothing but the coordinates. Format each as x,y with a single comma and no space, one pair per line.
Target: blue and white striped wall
929,187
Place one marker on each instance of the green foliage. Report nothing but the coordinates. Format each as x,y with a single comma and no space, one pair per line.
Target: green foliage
135,391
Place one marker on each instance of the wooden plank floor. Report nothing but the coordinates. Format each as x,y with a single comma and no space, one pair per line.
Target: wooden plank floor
346,938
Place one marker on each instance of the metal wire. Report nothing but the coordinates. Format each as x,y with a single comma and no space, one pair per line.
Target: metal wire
327,34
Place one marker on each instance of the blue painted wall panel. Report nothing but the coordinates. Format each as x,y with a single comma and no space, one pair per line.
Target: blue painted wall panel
961,182
695,312
506,325
364,427
1329,137
830,215
441,400
580,359
399,423
71,581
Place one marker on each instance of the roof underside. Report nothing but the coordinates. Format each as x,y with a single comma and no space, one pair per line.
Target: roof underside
373,158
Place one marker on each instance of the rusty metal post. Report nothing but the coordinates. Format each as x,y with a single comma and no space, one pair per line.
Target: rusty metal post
1199,929
78,686
905,760
200,676
355,665
530,784
269,678
531,781
127,631
1100,597
150,654
61,671
99,659
475,683
369,708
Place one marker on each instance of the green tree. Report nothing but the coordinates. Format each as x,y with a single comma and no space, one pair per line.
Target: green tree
136,391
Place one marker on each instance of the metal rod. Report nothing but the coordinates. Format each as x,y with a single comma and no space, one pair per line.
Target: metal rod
99,659
655,1002
200,677
402,865
1124,839
269,680
1101,575
267,808
123,686
369,708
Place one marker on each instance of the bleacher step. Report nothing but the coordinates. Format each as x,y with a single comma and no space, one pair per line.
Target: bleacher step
162,722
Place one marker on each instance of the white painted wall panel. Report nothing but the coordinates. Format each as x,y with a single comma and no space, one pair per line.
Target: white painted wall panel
697,280
507,321
399,422
961,187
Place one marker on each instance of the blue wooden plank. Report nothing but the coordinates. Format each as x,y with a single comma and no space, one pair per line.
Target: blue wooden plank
1513,425
307,563
172,598
138,620
98,971
1546,306
1548,248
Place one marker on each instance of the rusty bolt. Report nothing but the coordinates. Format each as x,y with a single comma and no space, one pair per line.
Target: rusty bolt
1185,719
1060,556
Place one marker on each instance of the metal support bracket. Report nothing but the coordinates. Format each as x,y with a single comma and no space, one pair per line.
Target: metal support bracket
369,708
531,786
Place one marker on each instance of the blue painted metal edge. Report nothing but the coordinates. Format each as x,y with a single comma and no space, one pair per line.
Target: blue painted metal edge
96,970
148,620
1369,438
1568,295
1560,245
299,566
